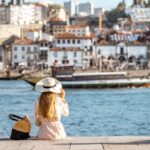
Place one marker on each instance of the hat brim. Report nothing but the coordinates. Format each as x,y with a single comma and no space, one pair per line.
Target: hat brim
55,89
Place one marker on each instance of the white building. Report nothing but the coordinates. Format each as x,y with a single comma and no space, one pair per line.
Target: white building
38,35
24,51
97,11
71,7
27,14
21,15
44,47
78,30
139,14
133,53
125,36
40,13
70,56
4,14
56,13
73,29
87,8
85,43
71,40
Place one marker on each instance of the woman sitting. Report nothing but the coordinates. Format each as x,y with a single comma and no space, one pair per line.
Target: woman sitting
48,109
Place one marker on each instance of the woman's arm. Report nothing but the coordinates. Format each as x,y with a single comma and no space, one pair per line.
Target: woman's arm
64,105
65,109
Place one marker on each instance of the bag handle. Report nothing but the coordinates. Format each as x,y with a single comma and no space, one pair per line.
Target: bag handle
15,117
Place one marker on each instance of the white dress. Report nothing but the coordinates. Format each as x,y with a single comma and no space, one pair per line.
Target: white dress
52,129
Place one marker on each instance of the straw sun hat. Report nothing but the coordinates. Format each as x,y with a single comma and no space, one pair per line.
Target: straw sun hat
49,85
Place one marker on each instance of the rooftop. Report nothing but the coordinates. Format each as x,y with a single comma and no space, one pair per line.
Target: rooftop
23,41
67,35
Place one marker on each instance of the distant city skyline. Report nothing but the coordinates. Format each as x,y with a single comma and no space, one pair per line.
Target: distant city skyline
101,3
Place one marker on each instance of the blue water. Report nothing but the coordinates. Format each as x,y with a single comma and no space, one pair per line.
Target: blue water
93,112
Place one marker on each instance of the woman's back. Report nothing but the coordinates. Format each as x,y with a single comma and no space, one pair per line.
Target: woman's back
51,127
49,108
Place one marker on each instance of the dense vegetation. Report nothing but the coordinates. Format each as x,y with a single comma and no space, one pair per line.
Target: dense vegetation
118,12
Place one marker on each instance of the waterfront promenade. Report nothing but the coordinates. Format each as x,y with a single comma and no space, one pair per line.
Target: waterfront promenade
80,143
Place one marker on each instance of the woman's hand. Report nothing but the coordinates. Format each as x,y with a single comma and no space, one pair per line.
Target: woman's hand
62,95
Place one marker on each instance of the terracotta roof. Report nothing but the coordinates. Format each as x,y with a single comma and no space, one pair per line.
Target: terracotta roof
136,43
65,49
24,41
67,35
103,42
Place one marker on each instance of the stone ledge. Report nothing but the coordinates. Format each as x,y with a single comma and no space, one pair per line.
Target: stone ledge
80,143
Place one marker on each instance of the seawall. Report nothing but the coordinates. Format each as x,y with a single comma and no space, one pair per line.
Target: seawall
80,143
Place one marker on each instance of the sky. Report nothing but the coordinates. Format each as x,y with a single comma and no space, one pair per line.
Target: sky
106,4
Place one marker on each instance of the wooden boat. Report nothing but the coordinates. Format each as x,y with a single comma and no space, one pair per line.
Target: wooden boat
95,79
12,77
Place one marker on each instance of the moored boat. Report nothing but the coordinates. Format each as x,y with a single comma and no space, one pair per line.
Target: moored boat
96,80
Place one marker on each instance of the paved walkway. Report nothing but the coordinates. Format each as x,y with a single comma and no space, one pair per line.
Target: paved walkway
80,143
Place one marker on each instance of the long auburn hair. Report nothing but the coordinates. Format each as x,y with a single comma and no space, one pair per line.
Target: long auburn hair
46,105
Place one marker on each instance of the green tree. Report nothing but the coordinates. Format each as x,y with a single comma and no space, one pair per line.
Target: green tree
118,12
114,14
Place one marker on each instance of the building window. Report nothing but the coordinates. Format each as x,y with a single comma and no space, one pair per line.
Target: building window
78,41
63,41
75,61
121,50
28,49
65,62
35,49
55,61
35,57
99,52
75,54
55,54
15,48
43,55
28,58
65,55
58,41
68,41
73,41
46,44
23,48
15,56
23,57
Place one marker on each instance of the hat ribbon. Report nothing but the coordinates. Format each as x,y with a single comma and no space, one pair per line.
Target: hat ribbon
47,87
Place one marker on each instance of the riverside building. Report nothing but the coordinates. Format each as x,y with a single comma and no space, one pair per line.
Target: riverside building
69,56
24,51
85,44
127,55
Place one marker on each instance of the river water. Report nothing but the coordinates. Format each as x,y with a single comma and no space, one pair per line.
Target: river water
93,112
